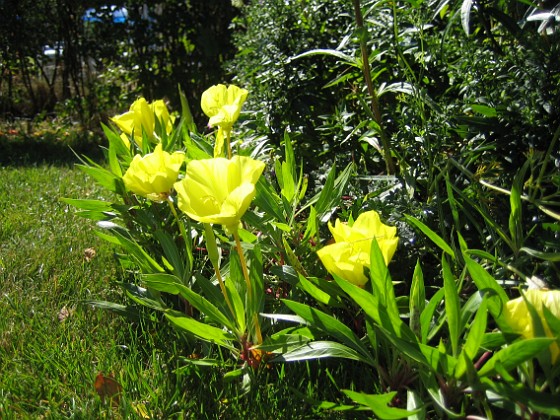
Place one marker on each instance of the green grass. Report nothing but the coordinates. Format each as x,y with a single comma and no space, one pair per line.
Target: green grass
53,343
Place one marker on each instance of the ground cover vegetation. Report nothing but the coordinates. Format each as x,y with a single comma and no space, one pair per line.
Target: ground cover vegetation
374,198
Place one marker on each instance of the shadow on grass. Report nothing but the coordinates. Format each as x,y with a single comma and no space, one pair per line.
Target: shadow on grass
53,148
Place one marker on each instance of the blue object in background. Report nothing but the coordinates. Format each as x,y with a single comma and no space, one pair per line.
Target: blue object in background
119,15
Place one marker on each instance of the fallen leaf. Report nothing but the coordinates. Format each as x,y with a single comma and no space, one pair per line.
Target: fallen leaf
89,254
107,388
64,313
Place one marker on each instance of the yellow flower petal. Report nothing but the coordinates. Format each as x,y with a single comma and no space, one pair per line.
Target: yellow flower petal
353,246
141,119
518,317
219,190
223,104
345,261
153,175
162,114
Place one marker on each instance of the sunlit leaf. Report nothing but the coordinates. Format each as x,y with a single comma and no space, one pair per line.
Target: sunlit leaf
513,355
321,349
379,404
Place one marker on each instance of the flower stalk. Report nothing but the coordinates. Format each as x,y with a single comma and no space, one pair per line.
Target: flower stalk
245,270
214,257
389,164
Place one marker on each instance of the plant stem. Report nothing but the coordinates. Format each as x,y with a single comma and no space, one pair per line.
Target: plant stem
542,172
249,285
228,142
188,247
372,93
212,249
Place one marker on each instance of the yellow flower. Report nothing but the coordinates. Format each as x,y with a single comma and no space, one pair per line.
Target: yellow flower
219,190
162,114
350,253
518,317
223,104
141,118
152,176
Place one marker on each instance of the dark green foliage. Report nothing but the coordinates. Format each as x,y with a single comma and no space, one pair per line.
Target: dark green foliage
180,42
288,93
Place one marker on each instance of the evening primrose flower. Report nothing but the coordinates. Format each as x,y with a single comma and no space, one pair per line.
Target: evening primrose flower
350,253
222,105
219,190
152,176
141,118
518,317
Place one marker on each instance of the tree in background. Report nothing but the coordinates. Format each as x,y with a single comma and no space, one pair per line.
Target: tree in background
98,63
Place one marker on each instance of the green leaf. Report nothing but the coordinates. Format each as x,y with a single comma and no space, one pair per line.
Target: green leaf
540,402
104,177
434,237
321,349
333,53
474,339
546,256
379,404
311,227
437,359
384,293
292,257
283,343
141,257
288,183
466,7
204,331
93,205
485,110
288,170
162,282
329,197
497,297
211,292
187,119
417,301
206,307
315,292
92,209
329,325
427,315
552,321
147,297
130,312
513,355
515,215
268,201
414,403
238,304
116,144
171,252
452,306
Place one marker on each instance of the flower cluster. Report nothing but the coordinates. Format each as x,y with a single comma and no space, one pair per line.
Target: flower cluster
218,190
140,120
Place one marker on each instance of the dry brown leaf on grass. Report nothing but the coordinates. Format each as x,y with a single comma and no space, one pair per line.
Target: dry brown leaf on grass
89,254
65,313
107,388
